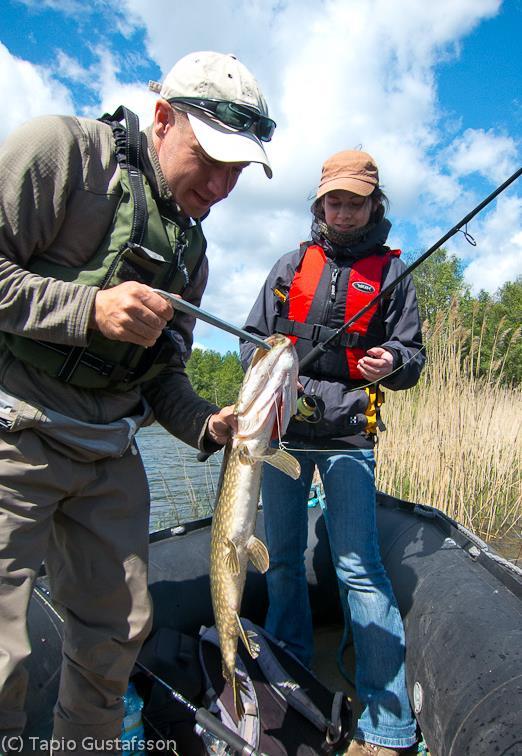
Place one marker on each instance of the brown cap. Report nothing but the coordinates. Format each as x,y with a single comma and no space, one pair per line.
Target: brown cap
351,170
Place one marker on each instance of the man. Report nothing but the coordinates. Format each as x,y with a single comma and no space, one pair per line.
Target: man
93,218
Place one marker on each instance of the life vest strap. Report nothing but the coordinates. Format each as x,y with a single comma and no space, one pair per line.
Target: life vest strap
133,162
317,333
116,372
373,411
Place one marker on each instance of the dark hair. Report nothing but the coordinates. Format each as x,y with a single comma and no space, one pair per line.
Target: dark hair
383,205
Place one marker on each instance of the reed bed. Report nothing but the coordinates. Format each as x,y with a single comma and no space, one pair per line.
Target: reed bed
455,440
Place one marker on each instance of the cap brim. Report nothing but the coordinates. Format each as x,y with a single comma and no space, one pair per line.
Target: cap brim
347,184
229,146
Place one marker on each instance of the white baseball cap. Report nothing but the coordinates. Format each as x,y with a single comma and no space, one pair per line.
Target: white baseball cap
218,77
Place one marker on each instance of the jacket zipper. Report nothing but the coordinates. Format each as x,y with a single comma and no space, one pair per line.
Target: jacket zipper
334,275
333,283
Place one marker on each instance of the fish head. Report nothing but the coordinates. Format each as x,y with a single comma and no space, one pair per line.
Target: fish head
268,396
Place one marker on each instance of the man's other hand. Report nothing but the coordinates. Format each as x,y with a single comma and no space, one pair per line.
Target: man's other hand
222,425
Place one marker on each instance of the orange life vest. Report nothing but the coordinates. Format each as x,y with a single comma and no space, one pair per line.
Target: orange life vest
363,284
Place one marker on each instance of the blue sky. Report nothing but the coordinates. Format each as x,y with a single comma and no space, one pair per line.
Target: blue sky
433,92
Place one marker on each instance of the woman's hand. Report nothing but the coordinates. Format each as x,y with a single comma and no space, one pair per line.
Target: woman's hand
222,425
376,364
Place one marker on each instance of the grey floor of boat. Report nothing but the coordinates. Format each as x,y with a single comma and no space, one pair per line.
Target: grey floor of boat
327,639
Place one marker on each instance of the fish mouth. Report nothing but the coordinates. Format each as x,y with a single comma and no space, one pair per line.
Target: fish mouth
270,388
275,340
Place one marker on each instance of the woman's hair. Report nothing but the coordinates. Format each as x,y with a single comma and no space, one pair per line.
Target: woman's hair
378,196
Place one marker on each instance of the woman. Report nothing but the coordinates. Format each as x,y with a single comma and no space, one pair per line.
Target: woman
308,293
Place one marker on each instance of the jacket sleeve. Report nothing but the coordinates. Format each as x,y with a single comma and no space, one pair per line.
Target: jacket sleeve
40,167
176,406
403,331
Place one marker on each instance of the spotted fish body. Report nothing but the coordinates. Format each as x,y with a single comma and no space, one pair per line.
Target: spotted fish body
267,400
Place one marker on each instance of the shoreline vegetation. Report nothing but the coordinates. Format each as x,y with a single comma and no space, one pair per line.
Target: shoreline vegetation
454,441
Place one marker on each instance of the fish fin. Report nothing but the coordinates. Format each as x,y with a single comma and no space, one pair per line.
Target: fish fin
245,457
247,638
255,647
258,554
231,558
283,461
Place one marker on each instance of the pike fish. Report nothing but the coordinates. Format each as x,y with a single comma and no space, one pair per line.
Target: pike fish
267,400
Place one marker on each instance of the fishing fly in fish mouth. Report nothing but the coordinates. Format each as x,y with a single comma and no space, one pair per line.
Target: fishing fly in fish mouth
267,400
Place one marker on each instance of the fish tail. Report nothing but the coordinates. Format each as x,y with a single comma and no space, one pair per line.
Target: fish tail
238,687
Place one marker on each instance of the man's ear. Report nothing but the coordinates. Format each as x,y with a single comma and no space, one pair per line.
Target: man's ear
164,118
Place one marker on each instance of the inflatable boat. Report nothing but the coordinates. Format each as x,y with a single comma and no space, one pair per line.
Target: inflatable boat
461,604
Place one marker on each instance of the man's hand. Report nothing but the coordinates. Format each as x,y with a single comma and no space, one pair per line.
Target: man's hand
130,312
221,425
376,364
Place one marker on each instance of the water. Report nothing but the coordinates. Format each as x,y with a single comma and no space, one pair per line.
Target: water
184,489
181,487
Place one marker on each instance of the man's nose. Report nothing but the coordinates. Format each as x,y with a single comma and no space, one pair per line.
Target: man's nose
220,182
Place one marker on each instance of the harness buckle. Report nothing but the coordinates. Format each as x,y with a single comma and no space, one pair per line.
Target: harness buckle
317,331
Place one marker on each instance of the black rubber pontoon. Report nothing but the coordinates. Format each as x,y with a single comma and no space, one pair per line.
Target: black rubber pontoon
461,603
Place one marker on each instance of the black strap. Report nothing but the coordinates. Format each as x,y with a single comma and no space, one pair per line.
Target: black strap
133,155
128,154
317,333
106,368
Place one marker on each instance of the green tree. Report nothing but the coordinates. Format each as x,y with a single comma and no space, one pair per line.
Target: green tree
214,376
438,281
229,379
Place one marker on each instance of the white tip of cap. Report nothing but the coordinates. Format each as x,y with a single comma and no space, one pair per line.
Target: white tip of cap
228,146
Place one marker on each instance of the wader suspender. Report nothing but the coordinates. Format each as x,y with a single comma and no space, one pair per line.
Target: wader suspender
282,683
140,214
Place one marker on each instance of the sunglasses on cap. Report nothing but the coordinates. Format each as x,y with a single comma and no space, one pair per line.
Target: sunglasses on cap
232,114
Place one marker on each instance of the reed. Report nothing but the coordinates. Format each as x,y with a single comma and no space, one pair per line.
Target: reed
455,440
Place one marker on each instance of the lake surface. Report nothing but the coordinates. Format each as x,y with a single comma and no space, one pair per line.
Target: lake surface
183,489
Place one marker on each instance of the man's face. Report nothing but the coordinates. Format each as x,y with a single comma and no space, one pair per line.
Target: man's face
196,180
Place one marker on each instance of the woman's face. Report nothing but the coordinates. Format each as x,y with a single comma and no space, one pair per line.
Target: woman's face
345,211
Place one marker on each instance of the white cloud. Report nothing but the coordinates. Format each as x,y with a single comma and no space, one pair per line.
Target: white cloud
27,91
492,155
111,92
337,74
497,258
102,79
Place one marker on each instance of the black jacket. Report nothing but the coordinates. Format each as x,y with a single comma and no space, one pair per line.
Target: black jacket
396,327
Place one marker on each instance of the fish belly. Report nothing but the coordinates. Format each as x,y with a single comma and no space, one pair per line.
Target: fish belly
232,525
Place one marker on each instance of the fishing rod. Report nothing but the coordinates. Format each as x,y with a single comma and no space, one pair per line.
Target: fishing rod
322,347
206,722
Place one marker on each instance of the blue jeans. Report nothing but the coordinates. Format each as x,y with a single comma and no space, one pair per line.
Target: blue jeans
378,633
